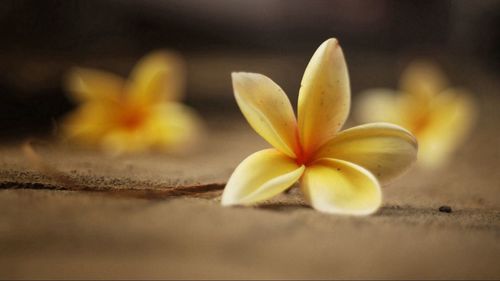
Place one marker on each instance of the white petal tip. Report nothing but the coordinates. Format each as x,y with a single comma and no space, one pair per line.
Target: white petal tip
241,75
332,42
336,211
242,78
226,202
330,46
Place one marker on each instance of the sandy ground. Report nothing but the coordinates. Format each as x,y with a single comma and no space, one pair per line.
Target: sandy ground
158,216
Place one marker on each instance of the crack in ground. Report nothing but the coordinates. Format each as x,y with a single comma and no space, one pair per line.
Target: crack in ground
157,192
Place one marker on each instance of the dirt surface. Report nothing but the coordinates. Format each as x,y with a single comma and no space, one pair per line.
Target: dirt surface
158,216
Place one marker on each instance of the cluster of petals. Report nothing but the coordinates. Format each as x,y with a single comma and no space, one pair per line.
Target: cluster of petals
439,116
339,172
134,115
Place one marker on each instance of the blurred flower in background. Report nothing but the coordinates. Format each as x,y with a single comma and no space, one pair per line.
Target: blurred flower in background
439,116
219,36
140,114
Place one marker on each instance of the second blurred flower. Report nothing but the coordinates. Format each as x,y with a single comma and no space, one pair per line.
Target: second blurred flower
440,117
140,114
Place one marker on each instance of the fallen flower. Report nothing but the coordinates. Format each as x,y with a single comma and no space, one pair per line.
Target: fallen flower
440,117
339,172
135,115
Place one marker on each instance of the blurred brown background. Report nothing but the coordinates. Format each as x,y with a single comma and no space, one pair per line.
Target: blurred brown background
159,216
42,39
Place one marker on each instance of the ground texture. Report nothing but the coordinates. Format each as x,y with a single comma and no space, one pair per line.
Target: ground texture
159,216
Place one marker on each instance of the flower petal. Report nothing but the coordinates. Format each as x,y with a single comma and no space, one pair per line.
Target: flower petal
158,76
88,123
261,176
423,79
90,85
324,97
173,126
386,150
267,109
378,105
168,127
120,140
339,187
452,117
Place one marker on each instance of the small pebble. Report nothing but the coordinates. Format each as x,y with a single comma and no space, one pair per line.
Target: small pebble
445,209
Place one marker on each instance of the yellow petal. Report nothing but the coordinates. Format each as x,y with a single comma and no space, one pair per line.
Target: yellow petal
169,127
423,79
90,85
261,176
267,109
157,77
378,105
88,123
120,140
339,187
324,97
386,150
451,119
173,126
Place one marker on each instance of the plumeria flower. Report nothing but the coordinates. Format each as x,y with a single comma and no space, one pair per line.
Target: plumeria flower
339,172
440,117
135,115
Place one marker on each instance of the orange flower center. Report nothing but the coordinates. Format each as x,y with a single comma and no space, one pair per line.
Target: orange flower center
303,157
420,124
131,117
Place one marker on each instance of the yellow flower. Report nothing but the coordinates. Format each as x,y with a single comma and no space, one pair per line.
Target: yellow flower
135,115
339,172
440,117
